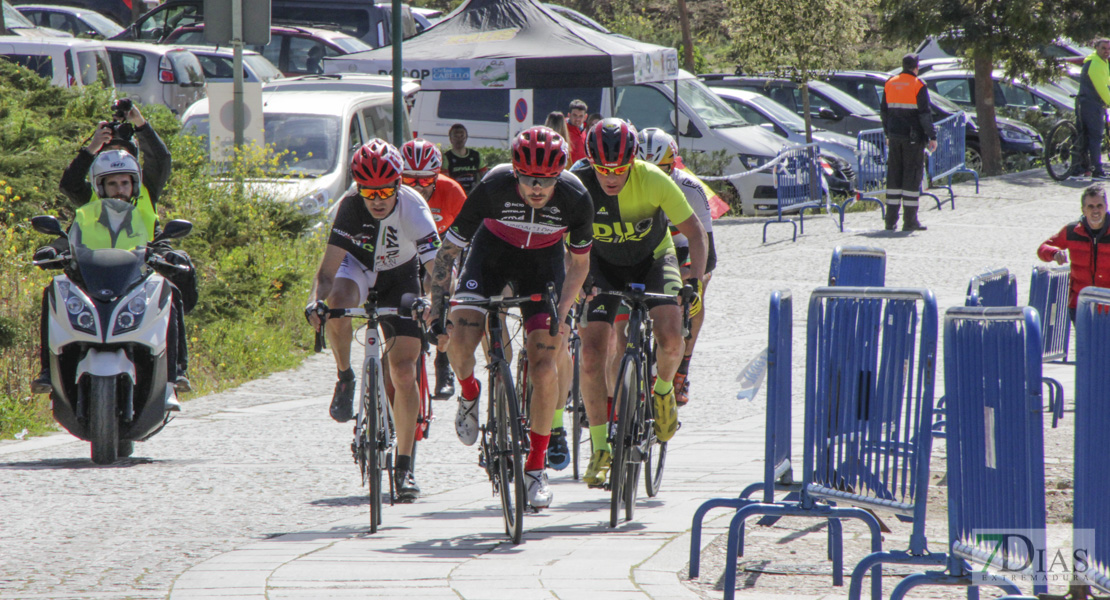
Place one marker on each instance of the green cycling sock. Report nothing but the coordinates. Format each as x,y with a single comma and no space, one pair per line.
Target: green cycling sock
663,387
598,434
557,422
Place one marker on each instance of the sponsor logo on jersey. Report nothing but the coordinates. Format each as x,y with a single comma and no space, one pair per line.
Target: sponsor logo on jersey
622,231
471,284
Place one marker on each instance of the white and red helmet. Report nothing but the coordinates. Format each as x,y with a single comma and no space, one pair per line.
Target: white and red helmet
421,156
376,164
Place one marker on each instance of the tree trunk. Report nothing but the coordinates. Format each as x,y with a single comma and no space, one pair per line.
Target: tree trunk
990,145
687,39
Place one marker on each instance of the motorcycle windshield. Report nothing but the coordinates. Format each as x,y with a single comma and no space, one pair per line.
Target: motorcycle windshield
108,273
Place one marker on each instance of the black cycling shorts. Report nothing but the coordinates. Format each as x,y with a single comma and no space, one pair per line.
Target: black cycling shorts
492,263
659,275
683,254
390,284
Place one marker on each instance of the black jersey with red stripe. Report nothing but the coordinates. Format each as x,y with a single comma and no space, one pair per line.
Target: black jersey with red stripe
496,205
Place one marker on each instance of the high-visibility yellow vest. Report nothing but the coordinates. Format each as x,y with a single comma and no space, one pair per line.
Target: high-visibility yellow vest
93,229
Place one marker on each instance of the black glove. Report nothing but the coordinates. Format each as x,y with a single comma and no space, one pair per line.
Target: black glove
319,308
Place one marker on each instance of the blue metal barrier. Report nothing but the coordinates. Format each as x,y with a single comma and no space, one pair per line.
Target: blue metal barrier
950,155
777,470
995,453
1048,295
871,167
858,266
870,364
799,187
993,288
1092,422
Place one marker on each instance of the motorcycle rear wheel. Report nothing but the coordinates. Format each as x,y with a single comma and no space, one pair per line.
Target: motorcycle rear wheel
103,425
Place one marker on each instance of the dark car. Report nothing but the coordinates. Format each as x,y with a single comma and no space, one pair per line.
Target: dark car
116,10
1016,137
829,107
958,85
294,50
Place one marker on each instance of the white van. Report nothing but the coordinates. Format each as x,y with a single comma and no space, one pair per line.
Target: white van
66,62
321,130
707,124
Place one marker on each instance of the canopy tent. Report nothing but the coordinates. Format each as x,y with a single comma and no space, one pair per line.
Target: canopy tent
516,44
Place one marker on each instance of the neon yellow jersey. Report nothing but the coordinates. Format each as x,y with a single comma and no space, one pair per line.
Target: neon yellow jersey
632,226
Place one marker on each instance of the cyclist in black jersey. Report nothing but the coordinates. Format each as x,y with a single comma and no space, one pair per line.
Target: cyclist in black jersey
633,201
515,221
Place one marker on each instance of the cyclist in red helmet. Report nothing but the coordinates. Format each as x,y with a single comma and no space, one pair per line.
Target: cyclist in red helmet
381,234
515,221
634,199
445,197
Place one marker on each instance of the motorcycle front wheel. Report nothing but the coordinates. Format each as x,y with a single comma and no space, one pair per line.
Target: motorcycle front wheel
103,424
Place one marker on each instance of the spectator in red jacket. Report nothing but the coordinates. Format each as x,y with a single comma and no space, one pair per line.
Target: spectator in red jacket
1086,243
576,125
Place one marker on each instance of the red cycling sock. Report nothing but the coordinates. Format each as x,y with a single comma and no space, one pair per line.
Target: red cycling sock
537,456
470,388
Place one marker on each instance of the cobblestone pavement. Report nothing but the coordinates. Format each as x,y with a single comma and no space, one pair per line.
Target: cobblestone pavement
265,460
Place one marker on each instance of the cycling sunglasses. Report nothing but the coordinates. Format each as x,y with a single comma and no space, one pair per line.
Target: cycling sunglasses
418,181
617,170
529,181
381,193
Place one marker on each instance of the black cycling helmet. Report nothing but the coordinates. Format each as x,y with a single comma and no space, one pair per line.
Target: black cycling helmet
611,143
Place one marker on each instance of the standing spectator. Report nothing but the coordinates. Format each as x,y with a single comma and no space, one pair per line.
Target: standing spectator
1090,108
1086,243
576,126
463,164
592,120
558,122
907,124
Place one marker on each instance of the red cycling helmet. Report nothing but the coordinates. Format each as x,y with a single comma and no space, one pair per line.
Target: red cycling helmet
611,143
376,164
539,152
421,156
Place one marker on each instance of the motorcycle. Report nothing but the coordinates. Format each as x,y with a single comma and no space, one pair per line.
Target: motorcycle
109,315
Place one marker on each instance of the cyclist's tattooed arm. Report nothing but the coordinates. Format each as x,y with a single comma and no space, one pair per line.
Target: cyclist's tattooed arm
441,274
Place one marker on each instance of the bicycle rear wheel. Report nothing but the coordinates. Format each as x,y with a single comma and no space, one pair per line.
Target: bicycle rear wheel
508,449
653,464
372,446
578,409
1060,150
621,471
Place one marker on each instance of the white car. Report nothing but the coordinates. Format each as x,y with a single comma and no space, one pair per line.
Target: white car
765,112
320,130
65,62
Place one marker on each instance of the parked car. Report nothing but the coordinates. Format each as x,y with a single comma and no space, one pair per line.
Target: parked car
1015,137
78,22
218,64
829,107
958,85
945,46
294,50
119,11
776,118
66,62
17,24
345,82
705,124
156,74
320,129
369,22
425,17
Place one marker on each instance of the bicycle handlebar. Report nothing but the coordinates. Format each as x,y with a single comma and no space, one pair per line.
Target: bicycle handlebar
497,302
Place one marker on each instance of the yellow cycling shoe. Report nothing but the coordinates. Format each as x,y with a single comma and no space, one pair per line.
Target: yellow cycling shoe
598,470
666,415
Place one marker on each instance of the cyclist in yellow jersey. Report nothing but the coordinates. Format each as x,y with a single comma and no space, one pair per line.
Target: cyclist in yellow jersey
632,202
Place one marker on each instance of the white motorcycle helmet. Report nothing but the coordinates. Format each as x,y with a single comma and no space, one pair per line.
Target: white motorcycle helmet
656,146
112,162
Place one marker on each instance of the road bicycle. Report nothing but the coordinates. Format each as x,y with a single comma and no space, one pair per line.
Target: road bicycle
1062,156
375,434
633,440
503,443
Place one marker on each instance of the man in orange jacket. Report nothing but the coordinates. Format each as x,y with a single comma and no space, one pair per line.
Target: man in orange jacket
908,126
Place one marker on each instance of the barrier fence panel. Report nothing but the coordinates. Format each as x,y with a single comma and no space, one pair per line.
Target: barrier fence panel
799,187
1048,295
993,288
950,156
777,470
871,167
858,266
1092,423
995,449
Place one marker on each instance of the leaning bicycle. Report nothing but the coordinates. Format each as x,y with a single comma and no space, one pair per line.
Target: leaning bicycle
1063,155
503,443
375,434
634,443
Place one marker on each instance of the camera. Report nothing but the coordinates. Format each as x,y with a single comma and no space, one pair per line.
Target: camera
121,130
121,108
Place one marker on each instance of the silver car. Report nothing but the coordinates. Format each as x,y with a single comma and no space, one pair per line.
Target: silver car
156,74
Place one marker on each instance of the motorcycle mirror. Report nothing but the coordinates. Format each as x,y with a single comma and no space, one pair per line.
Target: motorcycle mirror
175,229
47,224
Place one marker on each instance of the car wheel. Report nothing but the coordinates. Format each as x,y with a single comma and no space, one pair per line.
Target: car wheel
973,159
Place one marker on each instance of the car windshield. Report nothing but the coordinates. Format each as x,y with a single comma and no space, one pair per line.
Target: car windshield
1055,94
14,18
842,98
308,144
708,106
104,25
782,115
263,69
945,104
350,45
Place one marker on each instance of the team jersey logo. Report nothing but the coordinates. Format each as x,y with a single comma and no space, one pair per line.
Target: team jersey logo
622,231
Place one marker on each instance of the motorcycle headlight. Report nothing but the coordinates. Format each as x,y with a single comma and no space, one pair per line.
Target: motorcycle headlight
132,314
754,161
78,308
1014,135
314,202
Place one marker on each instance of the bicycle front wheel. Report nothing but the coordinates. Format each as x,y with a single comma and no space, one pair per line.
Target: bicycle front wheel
372,445
625,465
578,408
508,449
1060,150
